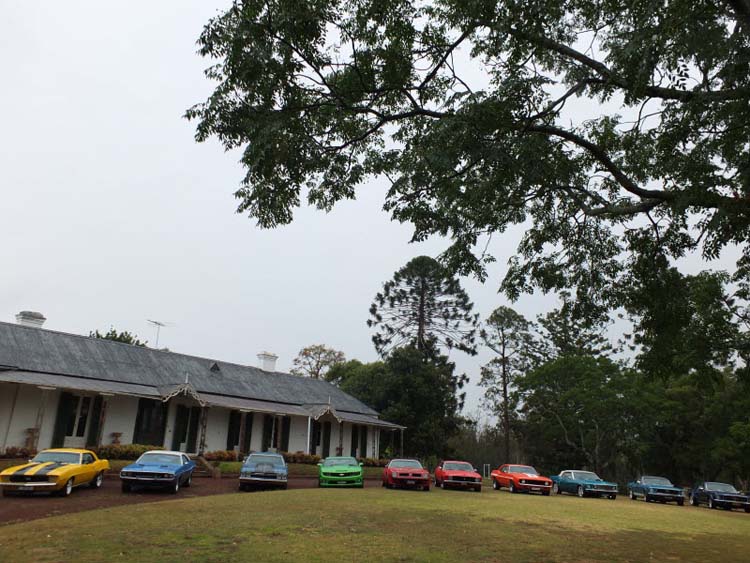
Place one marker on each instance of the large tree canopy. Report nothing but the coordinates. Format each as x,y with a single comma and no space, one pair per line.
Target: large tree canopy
462,106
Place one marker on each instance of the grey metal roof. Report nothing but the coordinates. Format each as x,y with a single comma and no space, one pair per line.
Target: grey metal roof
77,383
316,411
31,349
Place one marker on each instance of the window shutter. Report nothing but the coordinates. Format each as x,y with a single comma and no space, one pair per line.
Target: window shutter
233,433
285,427
248,432
267,429
355,428
96,413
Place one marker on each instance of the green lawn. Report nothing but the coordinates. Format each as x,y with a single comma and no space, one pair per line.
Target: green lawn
382,525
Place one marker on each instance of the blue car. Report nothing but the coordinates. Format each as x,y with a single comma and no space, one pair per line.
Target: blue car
583,484
653,489
161,469
266,469
719,495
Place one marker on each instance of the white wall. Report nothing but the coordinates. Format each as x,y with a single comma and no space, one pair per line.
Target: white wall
25,414
217,427
256,440
120,417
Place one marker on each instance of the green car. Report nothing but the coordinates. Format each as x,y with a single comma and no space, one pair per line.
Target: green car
340,472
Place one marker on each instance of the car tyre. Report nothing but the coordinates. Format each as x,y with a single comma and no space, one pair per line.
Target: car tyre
426,488
556,489
478,489
6,493
495,485
694,501
680,502
612,497
243,487
580,491
545,493
96,482
711,503
747,508
125,487
632,496
512,488
442,485
175,487
67,489
647,498
188,481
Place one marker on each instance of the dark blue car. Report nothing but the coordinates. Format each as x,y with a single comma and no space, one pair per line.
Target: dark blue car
655,489
162,469
719,495
583,484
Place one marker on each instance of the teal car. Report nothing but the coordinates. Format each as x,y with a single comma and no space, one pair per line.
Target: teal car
583,484
340,472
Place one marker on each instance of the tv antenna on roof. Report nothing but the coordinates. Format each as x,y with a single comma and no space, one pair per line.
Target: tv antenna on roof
158,325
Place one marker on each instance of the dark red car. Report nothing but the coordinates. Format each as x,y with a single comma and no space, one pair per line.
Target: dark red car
457,474
520,478
406,474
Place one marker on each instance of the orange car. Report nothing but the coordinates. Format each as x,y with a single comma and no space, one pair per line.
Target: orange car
520,478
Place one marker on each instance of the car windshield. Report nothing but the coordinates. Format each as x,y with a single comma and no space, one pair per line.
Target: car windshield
406,463
720,487
586,476
257,459
458,466
522,469
657,481
348,461
160,459
57,457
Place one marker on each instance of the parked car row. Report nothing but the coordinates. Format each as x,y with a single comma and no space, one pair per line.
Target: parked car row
61,470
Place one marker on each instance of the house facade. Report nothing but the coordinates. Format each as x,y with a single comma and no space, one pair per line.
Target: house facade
66,390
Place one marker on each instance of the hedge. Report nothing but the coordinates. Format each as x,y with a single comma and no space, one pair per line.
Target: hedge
123,451
13,452
290,457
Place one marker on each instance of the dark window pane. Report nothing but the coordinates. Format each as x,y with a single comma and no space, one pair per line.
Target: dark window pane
70,421
83,417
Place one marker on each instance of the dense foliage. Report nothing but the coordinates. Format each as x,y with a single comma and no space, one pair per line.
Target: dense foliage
123,336
465,108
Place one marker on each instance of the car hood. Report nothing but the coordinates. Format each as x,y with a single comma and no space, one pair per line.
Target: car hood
342,468
461,473
264,467
529,476
40,468
593,482
151,467
662,487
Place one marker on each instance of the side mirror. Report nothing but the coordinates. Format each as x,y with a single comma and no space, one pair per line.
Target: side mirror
475,470
361,464
320,465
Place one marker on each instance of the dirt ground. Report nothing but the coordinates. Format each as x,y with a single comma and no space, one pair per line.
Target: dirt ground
19,508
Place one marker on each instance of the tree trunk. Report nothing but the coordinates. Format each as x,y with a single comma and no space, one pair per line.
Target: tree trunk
421,318
506,409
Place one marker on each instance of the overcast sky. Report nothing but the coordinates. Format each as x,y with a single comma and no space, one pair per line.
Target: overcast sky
111,214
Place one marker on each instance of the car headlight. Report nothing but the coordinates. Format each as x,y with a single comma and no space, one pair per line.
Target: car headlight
394,474
522,481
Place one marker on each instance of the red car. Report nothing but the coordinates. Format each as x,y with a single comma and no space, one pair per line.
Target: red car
457,474
406,474
520,478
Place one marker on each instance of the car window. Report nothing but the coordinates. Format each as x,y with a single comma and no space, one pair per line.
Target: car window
185,459
565,475
88,458
504,470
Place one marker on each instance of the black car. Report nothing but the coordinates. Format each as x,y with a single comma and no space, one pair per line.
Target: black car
716,495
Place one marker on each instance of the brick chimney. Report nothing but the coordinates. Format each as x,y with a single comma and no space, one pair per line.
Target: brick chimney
267,361
30,318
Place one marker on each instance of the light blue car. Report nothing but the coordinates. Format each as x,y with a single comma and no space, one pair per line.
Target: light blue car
161,469
583,484
266,469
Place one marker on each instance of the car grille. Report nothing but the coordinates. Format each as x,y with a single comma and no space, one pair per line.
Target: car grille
28,479
733,498
666,492
259,475
535,482
462,478
146,475
348,474
411,475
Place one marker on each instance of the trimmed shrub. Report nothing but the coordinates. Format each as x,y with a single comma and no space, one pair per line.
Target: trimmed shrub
220,455
123,451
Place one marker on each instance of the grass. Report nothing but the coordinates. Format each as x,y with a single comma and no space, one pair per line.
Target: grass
295,469
382,525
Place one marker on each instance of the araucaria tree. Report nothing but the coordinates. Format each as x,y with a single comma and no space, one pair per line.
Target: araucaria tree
465,107
508,334
423,306
123,336
314,361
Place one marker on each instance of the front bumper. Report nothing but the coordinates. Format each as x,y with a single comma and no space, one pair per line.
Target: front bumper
599,491
410,482
249,480
534,487
148,481
459,484
341,480
665,496
732,503
29,487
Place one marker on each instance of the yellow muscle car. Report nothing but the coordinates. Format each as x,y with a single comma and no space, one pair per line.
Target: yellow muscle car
55,471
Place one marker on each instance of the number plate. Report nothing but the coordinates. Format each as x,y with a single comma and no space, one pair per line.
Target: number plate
535,489
25,488
342,482
410,482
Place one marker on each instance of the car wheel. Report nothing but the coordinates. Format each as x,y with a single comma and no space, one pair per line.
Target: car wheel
711,503
613,497
556,489
632,496
495,485
188,481
243,487
125,487
67,489
426,488
680,502
442,485
512,488
478,489
647,498
694,501
747,508
545,493
175,487
96,482
580,491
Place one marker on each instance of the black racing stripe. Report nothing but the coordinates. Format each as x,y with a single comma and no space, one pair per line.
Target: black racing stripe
49,468
25,469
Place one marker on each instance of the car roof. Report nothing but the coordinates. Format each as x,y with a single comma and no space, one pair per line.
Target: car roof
268,453
171,452
455,461
68,450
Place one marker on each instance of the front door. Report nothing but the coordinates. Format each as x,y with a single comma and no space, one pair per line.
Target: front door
74,420
150,422
326,439
185,433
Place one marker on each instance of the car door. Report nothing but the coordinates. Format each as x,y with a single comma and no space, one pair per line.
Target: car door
701,492
187,467
504,477
87,469
565,483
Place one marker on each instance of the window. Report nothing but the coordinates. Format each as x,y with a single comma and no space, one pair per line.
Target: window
88,458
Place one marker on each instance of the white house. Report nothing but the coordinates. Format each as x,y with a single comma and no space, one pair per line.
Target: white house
59,389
